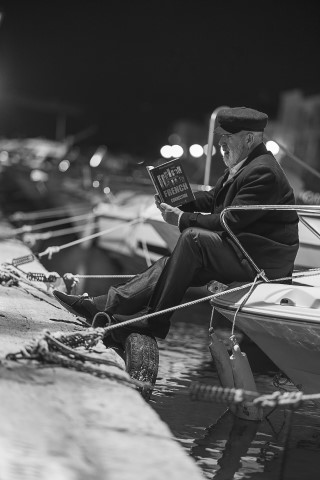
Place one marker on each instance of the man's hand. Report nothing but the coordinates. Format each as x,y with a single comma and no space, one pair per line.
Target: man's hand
169,214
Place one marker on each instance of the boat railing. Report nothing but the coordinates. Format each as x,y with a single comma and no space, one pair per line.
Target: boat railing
300,209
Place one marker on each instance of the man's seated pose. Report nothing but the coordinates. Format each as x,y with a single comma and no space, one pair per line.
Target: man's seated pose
204,251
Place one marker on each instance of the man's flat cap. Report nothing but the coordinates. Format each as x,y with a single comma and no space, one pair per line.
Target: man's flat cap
234,120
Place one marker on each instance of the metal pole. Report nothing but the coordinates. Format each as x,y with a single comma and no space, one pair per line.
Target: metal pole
210,144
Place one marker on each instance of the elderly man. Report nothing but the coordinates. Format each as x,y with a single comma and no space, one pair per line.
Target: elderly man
204,251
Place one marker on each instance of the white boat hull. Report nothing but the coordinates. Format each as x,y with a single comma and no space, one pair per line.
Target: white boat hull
284,321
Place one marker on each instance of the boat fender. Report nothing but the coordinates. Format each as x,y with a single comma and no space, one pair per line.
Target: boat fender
243,379
221,358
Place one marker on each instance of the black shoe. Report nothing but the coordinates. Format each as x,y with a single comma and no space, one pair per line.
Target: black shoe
80,305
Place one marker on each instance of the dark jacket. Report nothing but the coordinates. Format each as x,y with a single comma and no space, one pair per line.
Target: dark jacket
270,237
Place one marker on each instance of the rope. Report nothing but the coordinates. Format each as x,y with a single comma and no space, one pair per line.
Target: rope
104,276
59,349
54,223
50,212
315,271
200,391
172,309
54,233
245,299
55,249
28,282
311,272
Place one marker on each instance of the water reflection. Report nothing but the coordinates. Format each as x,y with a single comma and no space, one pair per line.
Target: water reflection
223,446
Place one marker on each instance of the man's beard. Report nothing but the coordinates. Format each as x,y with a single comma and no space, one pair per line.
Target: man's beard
232,157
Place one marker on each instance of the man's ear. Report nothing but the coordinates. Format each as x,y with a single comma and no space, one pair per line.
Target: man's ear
250,139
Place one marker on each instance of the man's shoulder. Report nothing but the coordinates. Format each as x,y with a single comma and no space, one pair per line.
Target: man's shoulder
264,161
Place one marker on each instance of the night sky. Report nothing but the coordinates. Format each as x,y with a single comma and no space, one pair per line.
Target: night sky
133,68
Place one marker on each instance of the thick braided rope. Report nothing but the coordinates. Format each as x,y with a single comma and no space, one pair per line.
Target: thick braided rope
200,300
199,391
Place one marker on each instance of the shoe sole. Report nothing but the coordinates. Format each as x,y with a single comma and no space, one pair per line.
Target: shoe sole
69,308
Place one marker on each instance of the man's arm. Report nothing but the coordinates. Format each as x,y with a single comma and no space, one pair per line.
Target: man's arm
172,215
202,203
259,188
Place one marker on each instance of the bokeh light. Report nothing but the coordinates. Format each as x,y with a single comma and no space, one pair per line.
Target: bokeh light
166,151
177,151
273,147
64,165
196,150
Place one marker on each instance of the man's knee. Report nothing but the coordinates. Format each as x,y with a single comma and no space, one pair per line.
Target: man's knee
201,236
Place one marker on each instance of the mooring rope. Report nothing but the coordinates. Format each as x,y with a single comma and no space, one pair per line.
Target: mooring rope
315,271
209,393
53,223
50,212
60,349
251,285
55,249
55,233
245,299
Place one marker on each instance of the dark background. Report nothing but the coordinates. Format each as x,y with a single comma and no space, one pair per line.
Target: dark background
133,68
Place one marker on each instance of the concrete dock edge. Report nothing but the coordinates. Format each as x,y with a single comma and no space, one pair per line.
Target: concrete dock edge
62,424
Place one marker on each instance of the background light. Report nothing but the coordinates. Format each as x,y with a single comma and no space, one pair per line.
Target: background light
196,150
64,165
174,138
273,147
95,183
39,176
95,160
166,151
205,149
177,151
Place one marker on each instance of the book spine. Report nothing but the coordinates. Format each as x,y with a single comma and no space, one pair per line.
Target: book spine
149,169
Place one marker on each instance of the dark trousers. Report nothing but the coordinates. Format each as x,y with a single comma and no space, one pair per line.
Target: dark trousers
199,257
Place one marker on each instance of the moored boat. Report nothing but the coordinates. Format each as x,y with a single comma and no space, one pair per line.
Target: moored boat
282,318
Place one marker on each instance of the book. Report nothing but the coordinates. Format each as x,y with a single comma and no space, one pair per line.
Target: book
171,183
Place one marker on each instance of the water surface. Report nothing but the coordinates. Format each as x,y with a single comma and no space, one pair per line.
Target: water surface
284,445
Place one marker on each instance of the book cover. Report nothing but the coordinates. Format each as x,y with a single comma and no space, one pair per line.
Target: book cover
171,183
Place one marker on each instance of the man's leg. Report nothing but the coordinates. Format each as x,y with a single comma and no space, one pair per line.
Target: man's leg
134,295
127,298
199,257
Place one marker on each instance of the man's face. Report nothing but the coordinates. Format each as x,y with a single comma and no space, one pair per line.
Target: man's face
233,148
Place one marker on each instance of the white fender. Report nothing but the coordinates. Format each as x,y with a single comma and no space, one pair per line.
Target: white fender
243,379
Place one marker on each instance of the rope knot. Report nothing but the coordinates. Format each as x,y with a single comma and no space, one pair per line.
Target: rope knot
50,251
